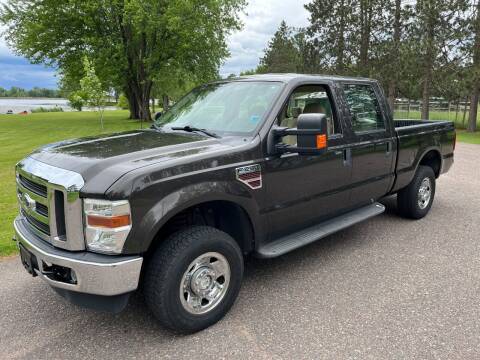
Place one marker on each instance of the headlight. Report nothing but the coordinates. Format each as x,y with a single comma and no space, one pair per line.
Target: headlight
107,224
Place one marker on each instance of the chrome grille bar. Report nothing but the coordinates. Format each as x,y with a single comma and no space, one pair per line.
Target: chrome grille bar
39,187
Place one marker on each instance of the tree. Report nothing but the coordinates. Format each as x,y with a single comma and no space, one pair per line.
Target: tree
129,42
395,51
91,90
436,32
76,101
475,68
332,32
281,56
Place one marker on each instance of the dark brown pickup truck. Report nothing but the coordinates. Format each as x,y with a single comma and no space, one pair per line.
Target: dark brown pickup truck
258,165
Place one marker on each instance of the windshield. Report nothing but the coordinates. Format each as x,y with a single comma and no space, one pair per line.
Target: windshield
223,108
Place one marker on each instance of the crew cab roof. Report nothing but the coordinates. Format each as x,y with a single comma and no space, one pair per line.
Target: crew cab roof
290,77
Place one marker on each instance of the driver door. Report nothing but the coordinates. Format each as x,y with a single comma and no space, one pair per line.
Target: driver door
304,190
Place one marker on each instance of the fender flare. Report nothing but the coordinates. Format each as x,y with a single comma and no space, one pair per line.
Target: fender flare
195,194
419,159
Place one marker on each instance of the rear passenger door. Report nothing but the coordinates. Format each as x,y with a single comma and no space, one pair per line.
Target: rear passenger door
372,143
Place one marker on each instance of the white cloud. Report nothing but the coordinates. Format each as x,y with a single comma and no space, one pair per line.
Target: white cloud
261,20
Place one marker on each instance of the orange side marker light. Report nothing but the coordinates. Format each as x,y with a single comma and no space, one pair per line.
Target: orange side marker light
321,141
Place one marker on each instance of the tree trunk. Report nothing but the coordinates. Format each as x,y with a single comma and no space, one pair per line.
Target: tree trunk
426,99
101,116
430,53
166,102
457,109
472,116
153,105
139,99
340,65
366,12
464,112
392,86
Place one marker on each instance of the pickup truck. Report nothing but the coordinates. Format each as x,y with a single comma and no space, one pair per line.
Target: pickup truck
258,165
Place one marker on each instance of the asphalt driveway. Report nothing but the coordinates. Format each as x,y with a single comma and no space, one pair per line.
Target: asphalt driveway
386,288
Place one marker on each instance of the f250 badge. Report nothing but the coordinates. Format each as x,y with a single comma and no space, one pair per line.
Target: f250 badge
250,175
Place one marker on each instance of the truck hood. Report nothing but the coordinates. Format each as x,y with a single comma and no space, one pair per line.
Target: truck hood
102,160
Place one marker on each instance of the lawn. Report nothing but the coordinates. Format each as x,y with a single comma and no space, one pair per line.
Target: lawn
20,134
438,115
471,138
462,135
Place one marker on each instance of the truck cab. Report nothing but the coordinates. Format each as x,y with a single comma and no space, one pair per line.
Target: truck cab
259,165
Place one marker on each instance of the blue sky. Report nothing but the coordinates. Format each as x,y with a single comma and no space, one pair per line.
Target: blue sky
261,19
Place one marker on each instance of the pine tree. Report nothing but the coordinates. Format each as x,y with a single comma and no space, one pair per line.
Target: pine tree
475,68
281,55
332,32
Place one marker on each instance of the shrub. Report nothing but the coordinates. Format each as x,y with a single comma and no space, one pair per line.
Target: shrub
43,110
123,102
76,101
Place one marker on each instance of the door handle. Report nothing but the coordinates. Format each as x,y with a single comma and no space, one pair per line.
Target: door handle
389,148
347,157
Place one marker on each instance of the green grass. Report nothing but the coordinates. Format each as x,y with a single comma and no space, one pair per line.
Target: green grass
471,138
462,135
438,115
20,134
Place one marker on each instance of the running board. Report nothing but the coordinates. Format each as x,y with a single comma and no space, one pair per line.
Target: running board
319,231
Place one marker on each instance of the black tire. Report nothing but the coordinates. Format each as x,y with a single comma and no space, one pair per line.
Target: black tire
408,198
167,267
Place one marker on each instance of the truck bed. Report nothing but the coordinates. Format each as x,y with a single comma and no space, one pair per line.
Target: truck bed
407,124
415,138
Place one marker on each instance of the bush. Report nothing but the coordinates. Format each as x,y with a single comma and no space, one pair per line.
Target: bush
43,110
75,101
123,102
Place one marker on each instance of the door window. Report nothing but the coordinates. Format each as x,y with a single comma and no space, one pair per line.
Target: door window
308,99
364,108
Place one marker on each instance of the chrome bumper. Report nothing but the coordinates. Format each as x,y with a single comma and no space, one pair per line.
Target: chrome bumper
95,274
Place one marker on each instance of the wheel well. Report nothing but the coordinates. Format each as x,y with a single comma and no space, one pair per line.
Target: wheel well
432,159
223,215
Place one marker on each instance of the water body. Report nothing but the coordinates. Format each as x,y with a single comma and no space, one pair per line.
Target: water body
17,105
27,104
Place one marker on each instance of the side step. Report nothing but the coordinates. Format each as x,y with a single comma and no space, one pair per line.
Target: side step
316,232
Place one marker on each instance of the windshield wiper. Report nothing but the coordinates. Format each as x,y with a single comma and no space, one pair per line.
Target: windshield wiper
155,126
188,128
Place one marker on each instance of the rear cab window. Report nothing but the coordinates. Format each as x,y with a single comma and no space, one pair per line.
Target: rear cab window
364,108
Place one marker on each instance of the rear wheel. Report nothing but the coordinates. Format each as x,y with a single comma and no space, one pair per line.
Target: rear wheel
193,278
416,199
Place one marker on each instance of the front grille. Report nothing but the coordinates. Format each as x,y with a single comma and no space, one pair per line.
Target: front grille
42,209
28,184
44,228
50,204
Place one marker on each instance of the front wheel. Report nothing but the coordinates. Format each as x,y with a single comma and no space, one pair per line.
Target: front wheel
193,278
416,199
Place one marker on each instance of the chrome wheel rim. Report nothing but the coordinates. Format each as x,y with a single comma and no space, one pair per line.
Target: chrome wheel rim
205,283
424,193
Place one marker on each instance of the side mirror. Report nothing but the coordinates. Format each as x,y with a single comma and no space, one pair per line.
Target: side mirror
311,132
158,115
317,141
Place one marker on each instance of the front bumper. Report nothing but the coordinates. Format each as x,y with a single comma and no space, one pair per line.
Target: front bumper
95,274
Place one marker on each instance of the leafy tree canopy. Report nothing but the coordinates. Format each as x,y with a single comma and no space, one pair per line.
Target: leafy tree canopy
130,42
